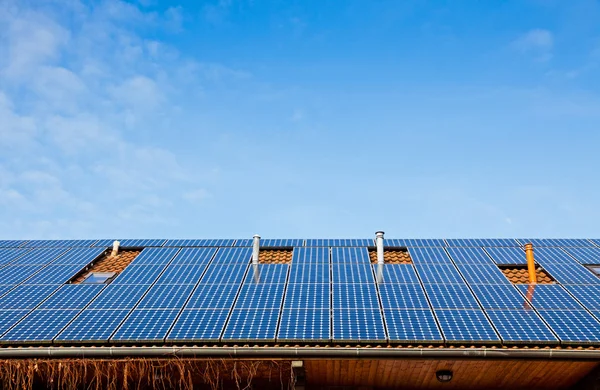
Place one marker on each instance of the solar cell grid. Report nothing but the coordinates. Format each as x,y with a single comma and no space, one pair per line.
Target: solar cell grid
596,242
54,274
429,256
7,256
411,326
260,296
8,318
585,255
309,273
194,256
232,256
352,273
198,325
466,325
573,326
357,242
355,296
588,295
280,242
244,242
213,296
251,324
521,327
59,243
555,242
142,242
145,325
116,296
403,296
11,243
571,273
496,296
552,255
4,288
398,273
181,274
40,326
155,256
26,296
92,326
199,242
350,256
104,243
224,274
450,296
482,274
507,256
310,255
414,242
310,325
78,256
166,296
439,273
549,297
353,325
309,296
72,296
139,274
481,242
469,256
15,274
267,273
39,256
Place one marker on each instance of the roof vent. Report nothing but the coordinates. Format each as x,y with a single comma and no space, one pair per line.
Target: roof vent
530,263
255,248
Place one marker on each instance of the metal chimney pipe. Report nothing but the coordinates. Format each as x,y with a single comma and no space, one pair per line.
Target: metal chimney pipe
115,249
530,263
255,248
379,244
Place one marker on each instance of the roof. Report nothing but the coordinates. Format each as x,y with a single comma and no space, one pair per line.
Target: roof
430,293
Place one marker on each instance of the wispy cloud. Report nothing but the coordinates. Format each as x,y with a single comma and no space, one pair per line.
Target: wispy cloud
537,43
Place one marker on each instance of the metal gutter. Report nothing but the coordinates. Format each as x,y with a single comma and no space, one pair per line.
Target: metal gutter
295,353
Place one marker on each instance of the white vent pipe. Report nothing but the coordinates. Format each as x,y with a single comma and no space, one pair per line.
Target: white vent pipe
115,250
379,244
255,248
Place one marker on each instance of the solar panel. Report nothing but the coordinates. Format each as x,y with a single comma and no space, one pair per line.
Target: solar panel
117,296
8,318
139,274
166,296
481,242
596,242
412,326
398,273
181,274
139,243
26,297
350,255
58,243
552,255
252,325
41,326
92,326
309,273
466,326
499,296
39,256
72,296
267,273
352,273
213,296
79,256
351,325
145,325
223,274
429,256
4,288
308,325
310,255
556,242
155,256
403,296
355,296
585,255
15,274
469,256
548,296
200,243
7,256
194,256
280,242
11,243
55,274
521,327
315,242
260,296
573,326
450,296
439,273
570,273
231,256
244,242
588,295
482,274
198,325
307,296
507,256
413,242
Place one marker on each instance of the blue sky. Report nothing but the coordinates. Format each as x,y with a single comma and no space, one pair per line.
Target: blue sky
299,118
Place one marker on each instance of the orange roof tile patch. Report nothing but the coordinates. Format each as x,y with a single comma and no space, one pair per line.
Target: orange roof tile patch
275,256
519,275
109,263
391,257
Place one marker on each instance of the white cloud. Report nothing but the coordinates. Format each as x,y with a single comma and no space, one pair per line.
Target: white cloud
537,43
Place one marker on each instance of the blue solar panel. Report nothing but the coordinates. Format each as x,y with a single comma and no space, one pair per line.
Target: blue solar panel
58,243
439,273
198,325
548,296
4,288
41,326
7,256
596,242
521,327
8,318
72,296
232,256
139,243
79,256
412,326
552,255
18,273
556,242
11,243
310,325
200,243
403,296
260,296
39,256
307,296
309,273
571,273
350,255
267,273
414,242
155,256
429,256
55,274
398,273
252,325
496,296
222,274
466,326
355,296
280,242
573,326
315,242
145,325
480,242
451,296
352,273
351,325
92,326
507,256
194,256
482,274
588,295
213,296
585,255
244,242
26,297
469,256
181,274
117,296
166,296
310,255
139,274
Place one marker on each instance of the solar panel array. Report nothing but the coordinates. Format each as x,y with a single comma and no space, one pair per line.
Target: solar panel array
207,291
